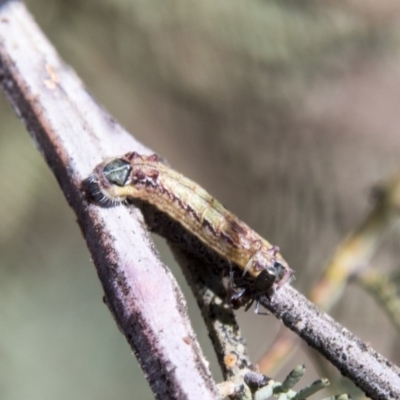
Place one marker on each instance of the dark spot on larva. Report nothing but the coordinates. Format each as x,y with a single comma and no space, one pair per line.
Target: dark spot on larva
154,158
182,205
154,174
208,225
236,228
171,195
228,238
193,213
161,189
139,176
131,156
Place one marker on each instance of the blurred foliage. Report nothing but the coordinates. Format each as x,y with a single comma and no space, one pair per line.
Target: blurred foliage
285,111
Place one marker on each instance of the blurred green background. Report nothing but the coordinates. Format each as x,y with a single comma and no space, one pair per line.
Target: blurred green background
285,111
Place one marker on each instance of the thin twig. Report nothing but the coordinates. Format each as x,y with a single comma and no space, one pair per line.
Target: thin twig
371,372
224,332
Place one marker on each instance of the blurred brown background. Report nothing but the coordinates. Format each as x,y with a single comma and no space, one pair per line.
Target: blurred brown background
287,112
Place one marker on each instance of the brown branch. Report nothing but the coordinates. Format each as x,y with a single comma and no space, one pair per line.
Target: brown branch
371,372
74,134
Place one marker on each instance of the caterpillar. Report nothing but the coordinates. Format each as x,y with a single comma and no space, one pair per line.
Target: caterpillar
149,179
